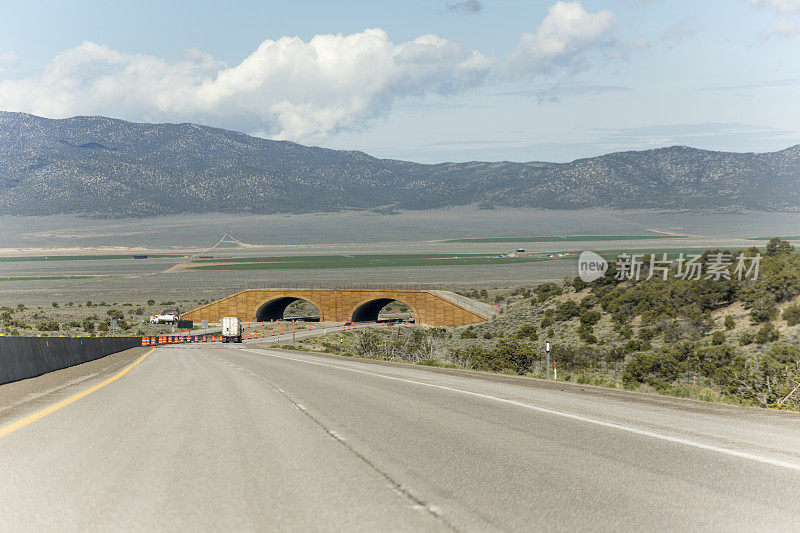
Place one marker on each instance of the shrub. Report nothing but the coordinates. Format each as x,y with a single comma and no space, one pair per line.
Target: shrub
546,322
115,314
746,338
527,332
674,333
776,247
469,333
566,310
646,334
508,355
651,368
151,302
578,284
586,334
717,338
792,315
589,317
763,309
55,304
766,333
50,325
545,291
632,345
730,323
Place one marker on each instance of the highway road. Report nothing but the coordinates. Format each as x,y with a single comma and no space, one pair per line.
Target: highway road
220,437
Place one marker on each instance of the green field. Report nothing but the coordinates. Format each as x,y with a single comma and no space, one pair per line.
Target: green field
672,253
566,238
22,259
321,262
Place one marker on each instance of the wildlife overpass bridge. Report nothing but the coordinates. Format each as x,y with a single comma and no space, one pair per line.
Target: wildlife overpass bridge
431,307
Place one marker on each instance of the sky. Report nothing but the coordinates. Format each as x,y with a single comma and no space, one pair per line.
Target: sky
428,81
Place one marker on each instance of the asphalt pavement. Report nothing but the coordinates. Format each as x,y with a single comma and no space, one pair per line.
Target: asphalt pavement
213,437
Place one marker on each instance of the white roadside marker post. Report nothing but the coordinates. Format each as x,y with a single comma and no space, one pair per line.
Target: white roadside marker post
547,351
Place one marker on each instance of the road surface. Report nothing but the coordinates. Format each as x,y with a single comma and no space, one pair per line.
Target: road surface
241,437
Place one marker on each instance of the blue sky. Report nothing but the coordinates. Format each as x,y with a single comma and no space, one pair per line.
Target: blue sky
422,80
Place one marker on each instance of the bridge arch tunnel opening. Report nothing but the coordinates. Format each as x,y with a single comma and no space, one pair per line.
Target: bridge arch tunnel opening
383,310
288,308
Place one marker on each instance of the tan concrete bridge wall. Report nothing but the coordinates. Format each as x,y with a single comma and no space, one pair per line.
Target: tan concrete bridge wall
338,305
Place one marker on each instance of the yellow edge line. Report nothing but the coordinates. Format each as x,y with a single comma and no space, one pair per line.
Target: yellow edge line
30,419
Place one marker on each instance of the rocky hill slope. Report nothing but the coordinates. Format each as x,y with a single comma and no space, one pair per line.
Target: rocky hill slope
100,166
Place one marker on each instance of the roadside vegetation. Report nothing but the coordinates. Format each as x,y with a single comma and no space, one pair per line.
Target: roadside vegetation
713,340
87,319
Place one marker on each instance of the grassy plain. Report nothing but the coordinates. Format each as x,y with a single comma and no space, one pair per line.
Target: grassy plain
565,238
360,261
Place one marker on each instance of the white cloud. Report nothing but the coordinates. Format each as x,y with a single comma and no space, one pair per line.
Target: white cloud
783,28
7,59
779,6
563,39
787,13
286,88
679,31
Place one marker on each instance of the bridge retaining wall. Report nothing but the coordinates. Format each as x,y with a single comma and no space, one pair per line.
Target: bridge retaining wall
340,305
27,357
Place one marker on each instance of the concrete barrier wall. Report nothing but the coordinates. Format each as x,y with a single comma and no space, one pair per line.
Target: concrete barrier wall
27,357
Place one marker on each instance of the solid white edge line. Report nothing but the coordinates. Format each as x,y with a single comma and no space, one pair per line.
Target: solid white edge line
612,425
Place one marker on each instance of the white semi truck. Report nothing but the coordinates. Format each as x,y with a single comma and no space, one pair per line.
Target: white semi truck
163,318
231,329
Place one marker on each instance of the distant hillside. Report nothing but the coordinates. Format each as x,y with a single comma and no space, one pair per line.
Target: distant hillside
99,166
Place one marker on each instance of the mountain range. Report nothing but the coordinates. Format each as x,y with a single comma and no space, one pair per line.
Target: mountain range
104,167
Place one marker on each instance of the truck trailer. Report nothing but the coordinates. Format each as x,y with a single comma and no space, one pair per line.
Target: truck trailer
231,329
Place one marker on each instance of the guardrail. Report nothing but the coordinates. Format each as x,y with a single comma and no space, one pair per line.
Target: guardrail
27,357
345,285
483,309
